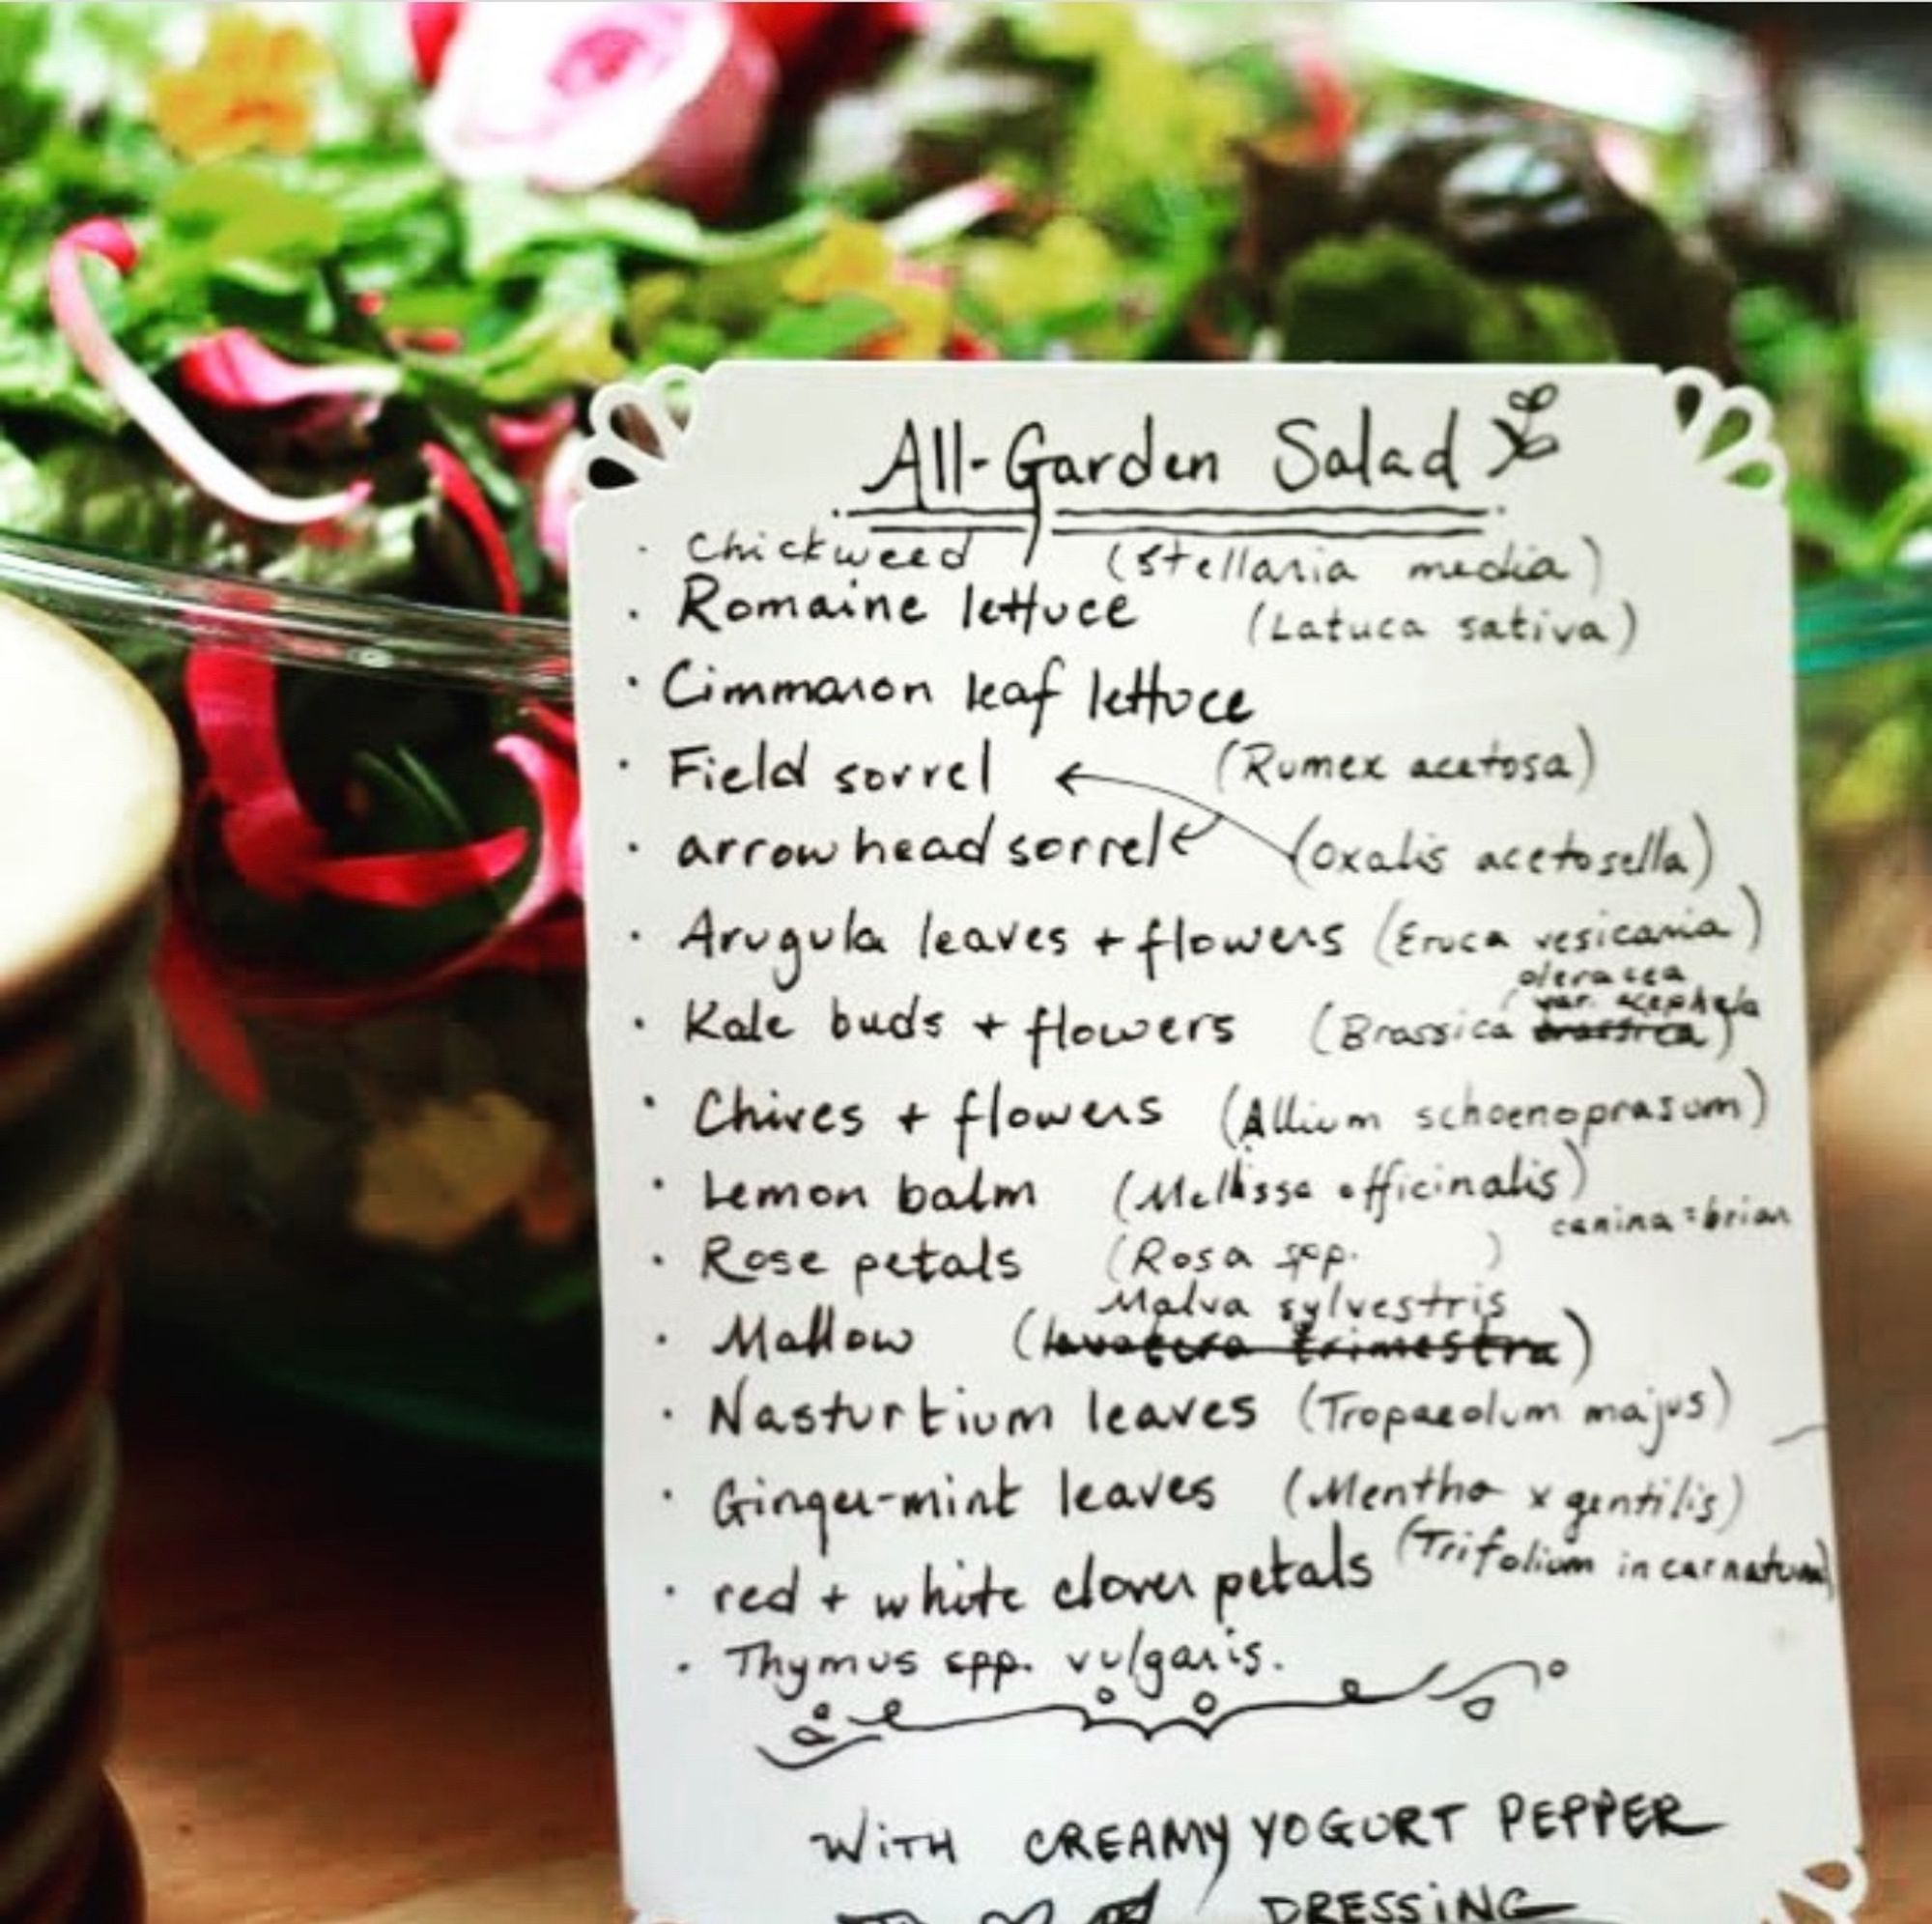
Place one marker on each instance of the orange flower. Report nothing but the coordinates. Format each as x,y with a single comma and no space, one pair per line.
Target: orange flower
855,257
443,1174
554,1204
252,87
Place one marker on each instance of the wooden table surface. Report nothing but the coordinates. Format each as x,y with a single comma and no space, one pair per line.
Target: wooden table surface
359,1682
367,1682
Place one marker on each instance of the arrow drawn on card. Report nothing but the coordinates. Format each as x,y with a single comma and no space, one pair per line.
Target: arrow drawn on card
1074,772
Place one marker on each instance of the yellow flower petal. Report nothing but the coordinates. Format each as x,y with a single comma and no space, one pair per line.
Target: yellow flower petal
253,85
434,1180
853,258
924,316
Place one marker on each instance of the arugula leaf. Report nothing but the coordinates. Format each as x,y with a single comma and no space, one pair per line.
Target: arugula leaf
821,332
39,375
398,223
684,341
380,560
225,213
100,55
102,495
1147,117
25,497
25,106
119,168
234,247
371,184
507,226
566,344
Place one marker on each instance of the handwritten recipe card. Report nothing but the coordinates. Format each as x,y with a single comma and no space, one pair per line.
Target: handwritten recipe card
1201,1083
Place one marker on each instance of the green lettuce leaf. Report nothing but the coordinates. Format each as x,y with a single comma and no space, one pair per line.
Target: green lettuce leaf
1390,296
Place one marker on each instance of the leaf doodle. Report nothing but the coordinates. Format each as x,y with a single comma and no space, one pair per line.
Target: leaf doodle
816,1745
1117,1911
1129,1909
1479,1706
1522,440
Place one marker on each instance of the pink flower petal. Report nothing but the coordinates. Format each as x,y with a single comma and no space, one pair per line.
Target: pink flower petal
267,832
203,1018
825,44
1331,106
557,944
705,156
276,845
561,728
574,95
560,796
170,430
432,25
789,27
557,493
458,487
233,369
948,213
526,442
420,878
963,345
538,936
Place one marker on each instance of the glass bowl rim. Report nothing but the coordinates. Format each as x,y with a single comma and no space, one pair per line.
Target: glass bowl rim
1847,623
301,625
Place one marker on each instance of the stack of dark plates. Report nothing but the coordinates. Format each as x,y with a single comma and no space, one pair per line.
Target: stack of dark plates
88,800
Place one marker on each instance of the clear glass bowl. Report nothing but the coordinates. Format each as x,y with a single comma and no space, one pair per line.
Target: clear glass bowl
403,1227
479,1324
